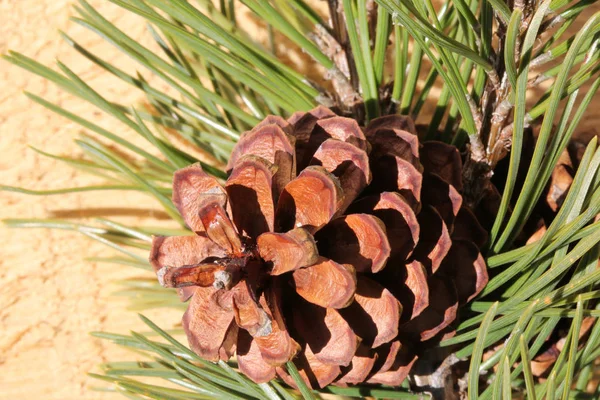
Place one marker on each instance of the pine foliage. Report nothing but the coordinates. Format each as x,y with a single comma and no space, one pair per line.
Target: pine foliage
484,58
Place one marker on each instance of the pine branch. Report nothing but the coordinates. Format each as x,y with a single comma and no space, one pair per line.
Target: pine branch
197,378
482,57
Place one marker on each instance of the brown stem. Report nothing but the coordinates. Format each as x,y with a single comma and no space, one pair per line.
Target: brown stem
477,116
519,4
437,376
498,120
477,167
336,13
340,73
476,172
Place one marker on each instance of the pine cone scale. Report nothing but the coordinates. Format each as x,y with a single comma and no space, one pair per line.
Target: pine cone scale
361,365
440,311
397,371
326,283
219,228
278,347
415,292
251,361
435,242
348,163
356,239
188,184
206,323
288,251
314,372
329,336
271,143
310,201
443,160
340,128
401,226
250,193
466,266
386,357
249,314
375,313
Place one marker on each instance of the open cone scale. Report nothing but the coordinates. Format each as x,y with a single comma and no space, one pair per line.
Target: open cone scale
334,246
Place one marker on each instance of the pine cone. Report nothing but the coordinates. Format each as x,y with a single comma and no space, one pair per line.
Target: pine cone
334,246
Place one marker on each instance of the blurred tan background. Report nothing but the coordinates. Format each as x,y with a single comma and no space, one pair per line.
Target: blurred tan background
50,298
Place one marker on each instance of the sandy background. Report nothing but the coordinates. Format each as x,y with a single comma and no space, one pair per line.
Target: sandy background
50,298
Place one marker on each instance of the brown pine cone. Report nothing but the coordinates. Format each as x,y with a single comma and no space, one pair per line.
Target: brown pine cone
334,246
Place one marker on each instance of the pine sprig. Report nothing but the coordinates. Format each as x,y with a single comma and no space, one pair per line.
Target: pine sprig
483,58
196,378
